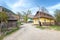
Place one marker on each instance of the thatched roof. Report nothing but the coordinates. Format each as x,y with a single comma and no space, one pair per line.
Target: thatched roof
10,14
43,15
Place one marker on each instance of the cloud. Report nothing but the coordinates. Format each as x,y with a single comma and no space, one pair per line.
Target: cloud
24,5
56,6
15,5
51,9
34,10
18,3
21,5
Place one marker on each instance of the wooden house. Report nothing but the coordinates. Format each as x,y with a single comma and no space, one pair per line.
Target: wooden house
44,18
12,19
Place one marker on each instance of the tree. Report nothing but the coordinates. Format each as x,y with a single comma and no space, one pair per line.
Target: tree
19,18
43,9
25,15
3,18
57,15
19,14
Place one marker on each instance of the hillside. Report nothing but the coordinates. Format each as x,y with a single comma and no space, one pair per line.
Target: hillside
6,10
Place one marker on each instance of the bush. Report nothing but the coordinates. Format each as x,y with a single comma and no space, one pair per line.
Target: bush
19,23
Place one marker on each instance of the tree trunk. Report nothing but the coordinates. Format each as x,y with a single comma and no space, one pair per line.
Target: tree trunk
1,27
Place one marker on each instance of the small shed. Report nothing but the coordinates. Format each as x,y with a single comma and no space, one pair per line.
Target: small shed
12,19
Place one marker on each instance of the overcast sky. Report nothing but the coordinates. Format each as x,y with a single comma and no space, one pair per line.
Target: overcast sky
33,5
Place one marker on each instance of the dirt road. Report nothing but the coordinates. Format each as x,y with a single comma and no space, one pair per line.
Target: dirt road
29,32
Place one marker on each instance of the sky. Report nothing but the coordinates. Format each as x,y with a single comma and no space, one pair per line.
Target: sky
33,5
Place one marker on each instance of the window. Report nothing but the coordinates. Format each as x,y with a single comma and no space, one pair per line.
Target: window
44,20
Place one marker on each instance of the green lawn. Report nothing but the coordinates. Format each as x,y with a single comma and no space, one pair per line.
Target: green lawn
50,27
55,27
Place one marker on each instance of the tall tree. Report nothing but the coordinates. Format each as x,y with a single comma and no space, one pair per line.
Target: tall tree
26,15
19,14
3,18
57,15
43,9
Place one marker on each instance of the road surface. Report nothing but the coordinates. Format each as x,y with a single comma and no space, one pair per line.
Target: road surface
29,32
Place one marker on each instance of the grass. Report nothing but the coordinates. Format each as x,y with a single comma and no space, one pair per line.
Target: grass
40,27
19,23
8,33
55,27
12,30
1,37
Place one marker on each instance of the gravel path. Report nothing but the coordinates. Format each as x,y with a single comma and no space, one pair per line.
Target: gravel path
29,32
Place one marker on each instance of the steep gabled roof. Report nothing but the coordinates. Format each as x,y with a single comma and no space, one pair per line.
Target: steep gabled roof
6,10
40,14
10,14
